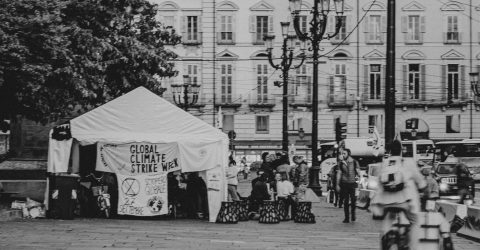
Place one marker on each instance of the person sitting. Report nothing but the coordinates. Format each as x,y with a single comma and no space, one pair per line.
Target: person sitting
285,191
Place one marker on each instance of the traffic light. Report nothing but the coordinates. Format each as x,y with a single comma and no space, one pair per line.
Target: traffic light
340,130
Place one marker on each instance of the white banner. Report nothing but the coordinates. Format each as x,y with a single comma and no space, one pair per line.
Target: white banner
137,158
142,195
141,170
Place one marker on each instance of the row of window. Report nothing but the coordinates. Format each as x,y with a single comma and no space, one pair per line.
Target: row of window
300,86
452,123
412,26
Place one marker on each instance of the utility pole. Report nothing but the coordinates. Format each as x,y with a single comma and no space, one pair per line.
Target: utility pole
390,76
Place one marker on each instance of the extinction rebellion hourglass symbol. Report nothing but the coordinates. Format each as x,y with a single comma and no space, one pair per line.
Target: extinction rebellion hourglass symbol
130,187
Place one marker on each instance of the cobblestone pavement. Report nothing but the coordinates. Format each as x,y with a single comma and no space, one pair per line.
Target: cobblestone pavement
328,233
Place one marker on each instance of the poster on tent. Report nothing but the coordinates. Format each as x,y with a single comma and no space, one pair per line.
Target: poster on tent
137,158
142,195
141,170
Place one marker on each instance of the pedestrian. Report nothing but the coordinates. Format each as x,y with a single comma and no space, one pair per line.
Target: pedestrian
299,177
348,172
464,181
267,165
232,181
259,192
432,191
285,191
332,186
244,167
400,182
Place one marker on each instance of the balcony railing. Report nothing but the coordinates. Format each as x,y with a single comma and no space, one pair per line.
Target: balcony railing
261,102
335,100
452,37
300,101
197,41
228,100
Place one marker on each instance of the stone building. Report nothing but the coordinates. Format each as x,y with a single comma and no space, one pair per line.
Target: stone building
223,49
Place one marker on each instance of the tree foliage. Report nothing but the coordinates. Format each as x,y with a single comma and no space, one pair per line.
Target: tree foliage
58,55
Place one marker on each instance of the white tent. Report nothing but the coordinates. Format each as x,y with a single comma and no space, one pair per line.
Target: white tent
141,117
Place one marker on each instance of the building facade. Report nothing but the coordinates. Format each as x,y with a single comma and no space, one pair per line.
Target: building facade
437,46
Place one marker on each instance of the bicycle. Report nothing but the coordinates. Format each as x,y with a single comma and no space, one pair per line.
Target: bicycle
100,191
397,236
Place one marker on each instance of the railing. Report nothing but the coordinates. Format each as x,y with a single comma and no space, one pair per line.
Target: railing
452,37
261,102
341,100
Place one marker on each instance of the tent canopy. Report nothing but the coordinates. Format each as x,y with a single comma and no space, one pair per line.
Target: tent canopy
142,116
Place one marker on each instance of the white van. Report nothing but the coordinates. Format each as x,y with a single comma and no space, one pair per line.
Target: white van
421,151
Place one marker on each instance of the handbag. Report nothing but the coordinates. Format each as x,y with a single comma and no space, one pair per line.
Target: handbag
331,196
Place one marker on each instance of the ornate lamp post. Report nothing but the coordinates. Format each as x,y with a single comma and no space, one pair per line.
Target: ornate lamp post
316,34
189,92
285,65
476,92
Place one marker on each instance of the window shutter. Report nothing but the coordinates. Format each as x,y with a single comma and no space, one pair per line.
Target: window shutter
331,25
405,81
383,25
184,28
462,81
366,26
404,24
331,89
348,27
234,27
459,37
253,24
220,29
270,24
199,28
366,30
383,81
444,81
422,24
366,83
423,82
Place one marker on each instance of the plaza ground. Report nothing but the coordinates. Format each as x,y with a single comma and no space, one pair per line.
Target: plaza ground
328,233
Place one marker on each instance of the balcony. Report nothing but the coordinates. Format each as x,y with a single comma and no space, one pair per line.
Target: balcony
259,102
192,42
458,102
373,100
452,37
228,101
340,101
300,101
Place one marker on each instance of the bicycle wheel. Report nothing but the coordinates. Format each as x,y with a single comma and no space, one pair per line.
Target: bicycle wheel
390,241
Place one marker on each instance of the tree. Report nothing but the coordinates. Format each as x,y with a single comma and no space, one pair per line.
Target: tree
58,55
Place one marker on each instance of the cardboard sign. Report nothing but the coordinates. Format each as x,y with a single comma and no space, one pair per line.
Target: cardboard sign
142,195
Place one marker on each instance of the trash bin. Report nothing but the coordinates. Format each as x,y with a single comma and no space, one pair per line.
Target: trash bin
63,196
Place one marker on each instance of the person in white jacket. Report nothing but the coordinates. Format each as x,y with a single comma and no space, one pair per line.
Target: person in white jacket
406,198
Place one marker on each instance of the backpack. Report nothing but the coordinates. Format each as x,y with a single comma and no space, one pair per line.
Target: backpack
392,178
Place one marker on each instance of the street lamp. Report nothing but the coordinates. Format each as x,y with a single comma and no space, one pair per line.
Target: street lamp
319,12
285,65
475,90
188,90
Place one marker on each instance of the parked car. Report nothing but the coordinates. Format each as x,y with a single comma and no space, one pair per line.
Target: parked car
445,174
